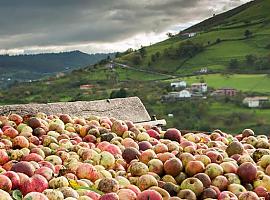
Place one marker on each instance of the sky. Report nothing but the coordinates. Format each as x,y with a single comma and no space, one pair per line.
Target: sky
92,26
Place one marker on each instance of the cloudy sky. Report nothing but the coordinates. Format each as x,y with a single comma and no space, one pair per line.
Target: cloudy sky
34,26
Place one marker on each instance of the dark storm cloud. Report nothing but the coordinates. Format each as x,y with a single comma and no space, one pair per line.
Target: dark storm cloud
26,23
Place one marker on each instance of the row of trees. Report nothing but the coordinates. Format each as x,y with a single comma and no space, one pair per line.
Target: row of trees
252,62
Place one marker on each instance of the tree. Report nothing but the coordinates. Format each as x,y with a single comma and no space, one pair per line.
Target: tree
251,59
233,63
218,40
170,35
153,58
122,93
117,54
137,59
158,54
248,33
142,51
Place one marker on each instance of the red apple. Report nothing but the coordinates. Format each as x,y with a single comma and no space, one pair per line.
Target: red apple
119,127
153,133
149,195
36,183
3,157
226,195
194,167
173,166
24,167
14,177
87,171
247,172
5,183
173,134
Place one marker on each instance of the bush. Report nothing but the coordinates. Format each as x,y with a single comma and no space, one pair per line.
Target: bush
233,63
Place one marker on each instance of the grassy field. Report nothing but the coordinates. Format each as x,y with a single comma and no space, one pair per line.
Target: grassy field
245,82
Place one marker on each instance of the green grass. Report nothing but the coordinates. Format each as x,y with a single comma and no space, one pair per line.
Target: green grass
245,82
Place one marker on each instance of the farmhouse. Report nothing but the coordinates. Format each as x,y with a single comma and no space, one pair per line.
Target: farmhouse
255,102
188,35
86,87
174,96
224,92
199,87
184,94
180,84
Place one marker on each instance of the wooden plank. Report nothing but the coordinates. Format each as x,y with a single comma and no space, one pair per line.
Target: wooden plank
161,122
130,108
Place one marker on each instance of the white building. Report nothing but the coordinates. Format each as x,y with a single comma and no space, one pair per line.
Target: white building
184,94
180,84
255,102
200,87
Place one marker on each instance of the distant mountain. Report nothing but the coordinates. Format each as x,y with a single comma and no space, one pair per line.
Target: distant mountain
32,67
50,62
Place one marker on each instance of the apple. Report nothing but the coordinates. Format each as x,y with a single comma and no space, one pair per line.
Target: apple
209,193
10,132
5,183
108,185
107,159
236,189
36,183
247,172
144,157
109,196
232,178
119,127
138,169
204,178
194,167
149,195
3,157
193,184
156,166
126,194
23,167
227,195
234,148
220,182
144,145
146,181
261,191
213,170
87,171
45,172
215,156
173,166
160,148
14,177
203,158
249,195
229,167
173,134
130,154
165,156
187,194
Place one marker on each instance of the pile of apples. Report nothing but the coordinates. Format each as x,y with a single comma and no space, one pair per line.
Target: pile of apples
58,157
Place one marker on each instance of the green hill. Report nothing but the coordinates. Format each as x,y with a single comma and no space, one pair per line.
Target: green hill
234,34
36,66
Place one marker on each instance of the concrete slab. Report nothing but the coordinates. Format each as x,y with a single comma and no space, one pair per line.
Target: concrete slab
130,108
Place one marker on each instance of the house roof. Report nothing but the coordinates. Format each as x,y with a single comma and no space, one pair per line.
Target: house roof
226,88
256,98
198,84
